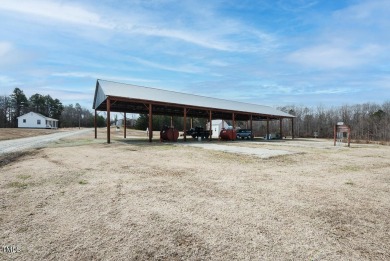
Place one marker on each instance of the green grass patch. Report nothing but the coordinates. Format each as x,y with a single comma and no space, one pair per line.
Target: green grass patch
349,182
83,182
17,184
351,168
24,177
71,143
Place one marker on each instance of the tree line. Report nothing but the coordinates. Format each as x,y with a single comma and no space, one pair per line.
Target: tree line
368,121
14,105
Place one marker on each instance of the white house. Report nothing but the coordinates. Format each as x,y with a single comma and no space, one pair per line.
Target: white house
36,120
217,126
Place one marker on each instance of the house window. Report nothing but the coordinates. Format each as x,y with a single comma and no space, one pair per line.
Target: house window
24,120
39,122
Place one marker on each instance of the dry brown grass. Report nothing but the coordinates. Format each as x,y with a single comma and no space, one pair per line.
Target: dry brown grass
16,133
139,201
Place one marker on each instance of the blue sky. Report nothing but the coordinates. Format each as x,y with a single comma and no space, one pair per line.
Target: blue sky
269,52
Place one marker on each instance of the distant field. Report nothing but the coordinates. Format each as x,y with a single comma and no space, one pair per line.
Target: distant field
16,133
83,199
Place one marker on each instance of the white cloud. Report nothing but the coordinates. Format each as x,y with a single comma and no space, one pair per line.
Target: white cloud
5,48
8,81
11,56
180,68
334,56
100,76
367,12
224,35
55,11
355,36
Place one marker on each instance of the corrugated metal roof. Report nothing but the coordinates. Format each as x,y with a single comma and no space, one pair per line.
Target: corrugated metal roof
108,88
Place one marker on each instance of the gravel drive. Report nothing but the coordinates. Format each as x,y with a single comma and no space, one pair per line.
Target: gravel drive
9,146
258,152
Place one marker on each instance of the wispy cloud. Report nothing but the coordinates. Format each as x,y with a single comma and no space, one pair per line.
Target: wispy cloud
186,68
255,51
54,10
95,76
219,37
355,36
5,48
8,81
334,56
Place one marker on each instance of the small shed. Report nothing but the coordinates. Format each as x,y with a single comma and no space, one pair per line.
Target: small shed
217,126
37,121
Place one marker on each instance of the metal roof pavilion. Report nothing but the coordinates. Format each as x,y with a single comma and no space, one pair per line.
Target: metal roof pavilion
120,97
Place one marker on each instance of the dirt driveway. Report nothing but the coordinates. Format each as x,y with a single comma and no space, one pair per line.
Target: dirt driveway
83,199
20,144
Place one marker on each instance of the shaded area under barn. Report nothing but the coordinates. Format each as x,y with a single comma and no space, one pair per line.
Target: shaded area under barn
126,98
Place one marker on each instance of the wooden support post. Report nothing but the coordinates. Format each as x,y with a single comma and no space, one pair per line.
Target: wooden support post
192,121
267,129
349,136
292,128
233,122
210,125
334,134
124,118
251,125
150,128
171,121
281,128
95,124
108,120
185,124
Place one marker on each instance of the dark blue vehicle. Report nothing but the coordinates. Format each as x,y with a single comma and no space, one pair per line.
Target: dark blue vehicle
244,134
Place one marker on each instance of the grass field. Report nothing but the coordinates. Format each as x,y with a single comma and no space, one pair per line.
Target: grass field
83,199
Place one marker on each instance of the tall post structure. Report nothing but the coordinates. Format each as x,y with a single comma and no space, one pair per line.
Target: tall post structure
292,128
108,119
185,124
124,118
210,125
95,124
233,121
150,123
251,125
267,129
281,128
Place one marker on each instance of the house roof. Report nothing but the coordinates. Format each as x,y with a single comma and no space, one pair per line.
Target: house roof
132,98
43,116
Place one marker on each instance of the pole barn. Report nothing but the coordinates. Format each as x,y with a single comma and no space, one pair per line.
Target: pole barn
128,98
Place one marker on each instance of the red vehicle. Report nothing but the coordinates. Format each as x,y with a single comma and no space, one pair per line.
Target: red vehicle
227,134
